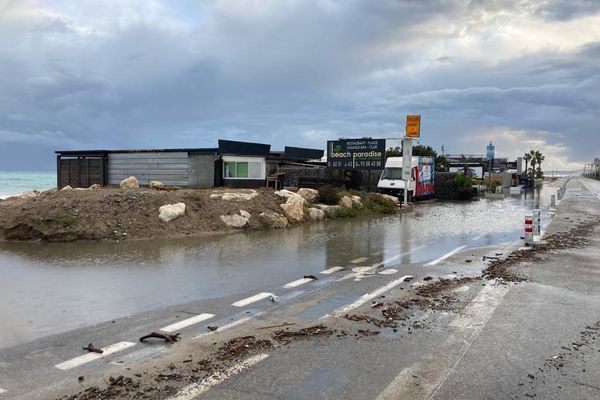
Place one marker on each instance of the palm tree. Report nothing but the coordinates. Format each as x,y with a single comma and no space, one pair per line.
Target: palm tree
539,157
527,157
533,163
465,162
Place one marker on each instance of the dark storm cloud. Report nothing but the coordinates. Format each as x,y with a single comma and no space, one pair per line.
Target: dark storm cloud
294,72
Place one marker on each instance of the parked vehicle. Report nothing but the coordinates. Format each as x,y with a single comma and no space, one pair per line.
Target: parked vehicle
421,184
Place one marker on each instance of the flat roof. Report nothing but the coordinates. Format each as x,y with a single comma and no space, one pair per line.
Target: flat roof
100,152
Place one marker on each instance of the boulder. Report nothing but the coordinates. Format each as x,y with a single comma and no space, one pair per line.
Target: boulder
157,184
68,187
330,211
235,196
273,219
346,202
245,214
294,209
30,195
390,197
287,194
315,214
95,186
130,183
234,220
310,195
356,199
169,212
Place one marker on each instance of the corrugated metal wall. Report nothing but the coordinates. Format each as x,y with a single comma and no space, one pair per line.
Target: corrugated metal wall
171,168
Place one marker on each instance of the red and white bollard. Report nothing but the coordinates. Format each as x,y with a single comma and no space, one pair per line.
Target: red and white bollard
529,229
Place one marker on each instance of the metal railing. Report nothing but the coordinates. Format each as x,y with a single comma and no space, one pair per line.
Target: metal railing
592,170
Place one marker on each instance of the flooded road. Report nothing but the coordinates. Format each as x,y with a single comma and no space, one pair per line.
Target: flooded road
51,288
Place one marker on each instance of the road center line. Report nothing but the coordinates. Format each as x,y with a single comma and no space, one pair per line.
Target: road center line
251,299
229,325
297,282
479,236
187,322
196,389
331,270
86,358
366,297
445,256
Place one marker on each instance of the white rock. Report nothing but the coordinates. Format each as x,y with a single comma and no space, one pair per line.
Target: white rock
245,214
169,212
273,220
30,195
130,183
310,195
287,194
346,202
294,209
68,187
330,211
235,196
390,197
156,184
95,186
234,221
315,214
356,199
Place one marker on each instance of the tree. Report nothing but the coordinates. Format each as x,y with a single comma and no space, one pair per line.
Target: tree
527,157
393,152
533,162
442,164
539,157
464,160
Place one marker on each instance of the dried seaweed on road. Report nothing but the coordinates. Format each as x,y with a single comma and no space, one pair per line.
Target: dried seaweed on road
241,346
167,337
286,336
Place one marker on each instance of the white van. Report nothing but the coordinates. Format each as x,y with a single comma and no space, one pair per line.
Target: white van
421,185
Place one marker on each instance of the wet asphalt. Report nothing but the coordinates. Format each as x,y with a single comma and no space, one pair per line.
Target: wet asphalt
61,296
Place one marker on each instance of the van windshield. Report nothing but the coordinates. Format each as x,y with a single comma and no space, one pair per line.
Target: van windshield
392,173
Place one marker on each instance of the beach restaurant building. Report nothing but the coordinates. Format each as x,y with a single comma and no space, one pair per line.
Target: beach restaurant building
232,163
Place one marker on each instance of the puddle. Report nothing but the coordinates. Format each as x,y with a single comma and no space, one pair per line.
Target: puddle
327,305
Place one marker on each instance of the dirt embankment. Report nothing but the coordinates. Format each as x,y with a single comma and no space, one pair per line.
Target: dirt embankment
118,214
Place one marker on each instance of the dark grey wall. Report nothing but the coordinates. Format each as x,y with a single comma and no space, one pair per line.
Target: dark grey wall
170,168
202,170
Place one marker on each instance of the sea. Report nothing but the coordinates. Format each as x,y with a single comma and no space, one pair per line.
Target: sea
17,182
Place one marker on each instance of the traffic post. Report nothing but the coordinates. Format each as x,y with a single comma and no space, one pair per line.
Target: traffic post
537,222
528,229
413,131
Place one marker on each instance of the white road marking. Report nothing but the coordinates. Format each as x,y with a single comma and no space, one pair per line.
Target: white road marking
366,297
186,322
252,299
590,189
228,326
86,358
445,256
388,271
438,366
3,391
196,389
297,282
479,236
331,270
359,260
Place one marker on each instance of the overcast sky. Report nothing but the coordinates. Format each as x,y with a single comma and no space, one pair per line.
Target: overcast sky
149,74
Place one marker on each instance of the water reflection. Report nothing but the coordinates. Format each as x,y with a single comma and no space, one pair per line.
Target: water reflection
48,287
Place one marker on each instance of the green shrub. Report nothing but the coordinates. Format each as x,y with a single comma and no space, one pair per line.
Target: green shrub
463,183
329,195
69,220
375,202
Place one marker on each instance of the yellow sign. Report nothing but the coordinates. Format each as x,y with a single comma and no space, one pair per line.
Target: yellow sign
413,126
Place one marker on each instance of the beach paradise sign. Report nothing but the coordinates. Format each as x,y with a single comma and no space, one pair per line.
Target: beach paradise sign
356,154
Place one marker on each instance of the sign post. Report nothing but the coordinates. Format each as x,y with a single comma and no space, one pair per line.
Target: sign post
413,131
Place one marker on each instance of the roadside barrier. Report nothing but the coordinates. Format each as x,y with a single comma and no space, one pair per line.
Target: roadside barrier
553,201
537,222
529,229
